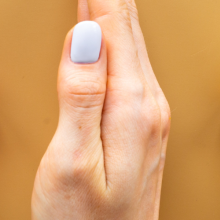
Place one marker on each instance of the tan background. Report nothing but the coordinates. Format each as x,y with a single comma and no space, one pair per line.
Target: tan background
183,40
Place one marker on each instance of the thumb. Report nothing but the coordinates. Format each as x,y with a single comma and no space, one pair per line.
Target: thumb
82,82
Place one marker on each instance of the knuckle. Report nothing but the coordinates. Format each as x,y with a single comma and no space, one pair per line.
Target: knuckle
123,17
165,119
130,91
153,115
82,91
122,9
82,86
133,9
120,14
113,10
74,172
162,161
136,91
63,171
79,171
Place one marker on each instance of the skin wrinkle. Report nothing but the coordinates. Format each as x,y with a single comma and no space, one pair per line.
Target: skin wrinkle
128,139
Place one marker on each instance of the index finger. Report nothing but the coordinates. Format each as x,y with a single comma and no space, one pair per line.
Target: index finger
83,11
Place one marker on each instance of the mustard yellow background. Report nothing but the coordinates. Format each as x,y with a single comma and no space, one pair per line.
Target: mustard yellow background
183,41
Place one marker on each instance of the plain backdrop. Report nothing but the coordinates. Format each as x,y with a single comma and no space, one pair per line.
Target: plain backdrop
183,41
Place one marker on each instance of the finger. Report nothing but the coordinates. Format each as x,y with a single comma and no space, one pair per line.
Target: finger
124,129
114,18
146,65
83,11
82,83
81,92
155,89
141,47
148,71
83,14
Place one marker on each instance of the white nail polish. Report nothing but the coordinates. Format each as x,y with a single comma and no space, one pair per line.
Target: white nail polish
86,42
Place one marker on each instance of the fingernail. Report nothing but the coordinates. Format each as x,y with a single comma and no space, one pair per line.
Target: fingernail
86,42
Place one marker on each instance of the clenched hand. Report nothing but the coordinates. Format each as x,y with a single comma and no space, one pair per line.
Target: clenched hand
106,159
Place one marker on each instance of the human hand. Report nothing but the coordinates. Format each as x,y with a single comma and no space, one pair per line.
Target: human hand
107,156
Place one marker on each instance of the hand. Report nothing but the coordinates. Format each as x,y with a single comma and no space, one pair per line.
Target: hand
107,156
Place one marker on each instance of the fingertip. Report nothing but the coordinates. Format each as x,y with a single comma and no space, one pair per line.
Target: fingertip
83,47
83,11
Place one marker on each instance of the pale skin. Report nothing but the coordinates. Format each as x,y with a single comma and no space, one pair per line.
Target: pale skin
107,157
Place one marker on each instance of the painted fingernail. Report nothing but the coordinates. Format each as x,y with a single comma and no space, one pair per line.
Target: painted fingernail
86,42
